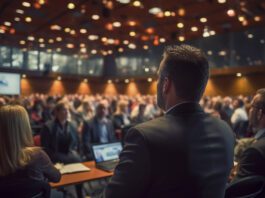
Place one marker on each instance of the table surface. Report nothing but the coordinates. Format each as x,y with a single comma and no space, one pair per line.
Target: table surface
76,178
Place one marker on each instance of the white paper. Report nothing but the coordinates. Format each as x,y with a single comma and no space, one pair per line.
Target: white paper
71,168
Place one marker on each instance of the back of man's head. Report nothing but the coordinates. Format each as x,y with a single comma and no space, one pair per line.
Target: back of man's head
188,68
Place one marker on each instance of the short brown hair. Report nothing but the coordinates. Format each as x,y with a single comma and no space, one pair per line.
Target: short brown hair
188,68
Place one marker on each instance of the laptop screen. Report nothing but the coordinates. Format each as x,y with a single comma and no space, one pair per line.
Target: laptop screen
106,152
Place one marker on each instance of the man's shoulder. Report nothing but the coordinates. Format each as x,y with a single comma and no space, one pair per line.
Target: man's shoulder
259,146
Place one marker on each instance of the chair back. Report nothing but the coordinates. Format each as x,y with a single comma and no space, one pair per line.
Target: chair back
24,188
248,187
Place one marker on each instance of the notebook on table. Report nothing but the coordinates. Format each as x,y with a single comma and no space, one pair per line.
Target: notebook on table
106,155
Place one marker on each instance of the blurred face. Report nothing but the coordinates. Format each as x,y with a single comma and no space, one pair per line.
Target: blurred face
160,98
101,111
62,114
255,113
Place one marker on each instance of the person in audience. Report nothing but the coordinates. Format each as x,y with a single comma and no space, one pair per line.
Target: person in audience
59,137
121,117
227,107
140,117
97,130
18,156
47,113
179,154
36,113
240,113
252,161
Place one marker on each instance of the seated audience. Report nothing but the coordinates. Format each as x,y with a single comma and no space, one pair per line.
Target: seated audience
121,117
47,113
252,161
240,113
98,130
18,156
59,137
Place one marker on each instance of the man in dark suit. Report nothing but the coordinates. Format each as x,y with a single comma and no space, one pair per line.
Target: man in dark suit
98,130
252,161
185,153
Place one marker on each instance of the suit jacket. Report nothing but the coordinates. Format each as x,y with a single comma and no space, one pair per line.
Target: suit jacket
60,146
90,135
252,161
184,154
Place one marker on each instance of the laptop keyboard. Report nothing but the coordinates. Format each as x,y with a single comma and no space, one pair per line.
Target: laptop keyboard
109,166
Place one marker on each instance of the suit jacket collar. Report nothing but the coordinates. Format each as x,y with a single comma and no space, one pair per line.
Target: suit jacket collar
187,107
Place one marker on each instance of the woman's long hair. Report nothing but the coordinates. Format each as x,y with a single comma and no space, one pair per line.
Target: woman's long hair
16,143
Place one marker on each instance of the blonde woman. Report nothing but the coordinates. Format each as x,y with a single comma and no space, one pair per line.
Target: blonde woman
17,153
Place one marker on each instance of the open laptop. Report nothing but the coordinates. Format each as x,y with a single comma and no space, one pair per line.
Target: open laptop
106,155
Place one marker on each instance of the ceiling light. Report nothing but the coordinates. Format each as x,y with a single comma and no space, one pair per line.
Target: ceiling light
125,42
146,69
72,32
19,11
162,40
257,18
194,29
83,50
93,51
58,50
2,31
126,80
91,71
95,17
132,46
93,37
221,1
70,45
42,45
71,6
181,38
24,76
109,81
28,19
83,31
181,12
132,33
150,30
245,23
231,12
238,74
116,24
31,38
132,23
155,10
149,79
203,20
17,19
59,78
209,52
49,50
222,53
41,2
22,42
41,40
55,27
124,1
26,4
262,41
241,18
67,29
51,41
180,25
167,13
110,41
120,49
146,47
104,39
59,39
85,80
7,23
250,36
109,26
206,34
137,3
212,32
110,52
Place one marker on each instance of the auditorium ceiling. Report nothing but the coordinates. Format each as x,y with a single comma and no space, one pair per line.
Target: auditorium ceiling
103,26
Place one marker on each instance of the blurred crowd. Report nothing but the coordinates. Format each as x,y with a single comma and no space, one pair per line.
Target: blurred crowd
87,113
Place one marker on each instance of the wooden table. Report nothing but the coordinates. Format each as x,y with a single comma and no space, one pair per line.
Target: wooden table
76,178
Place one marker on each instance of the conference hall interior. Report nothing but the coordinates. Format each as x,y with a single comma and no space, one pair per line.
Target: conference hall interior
81,75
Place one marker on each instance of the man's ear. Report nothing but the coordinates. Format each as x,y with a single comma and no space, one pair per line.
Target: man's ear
166,85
